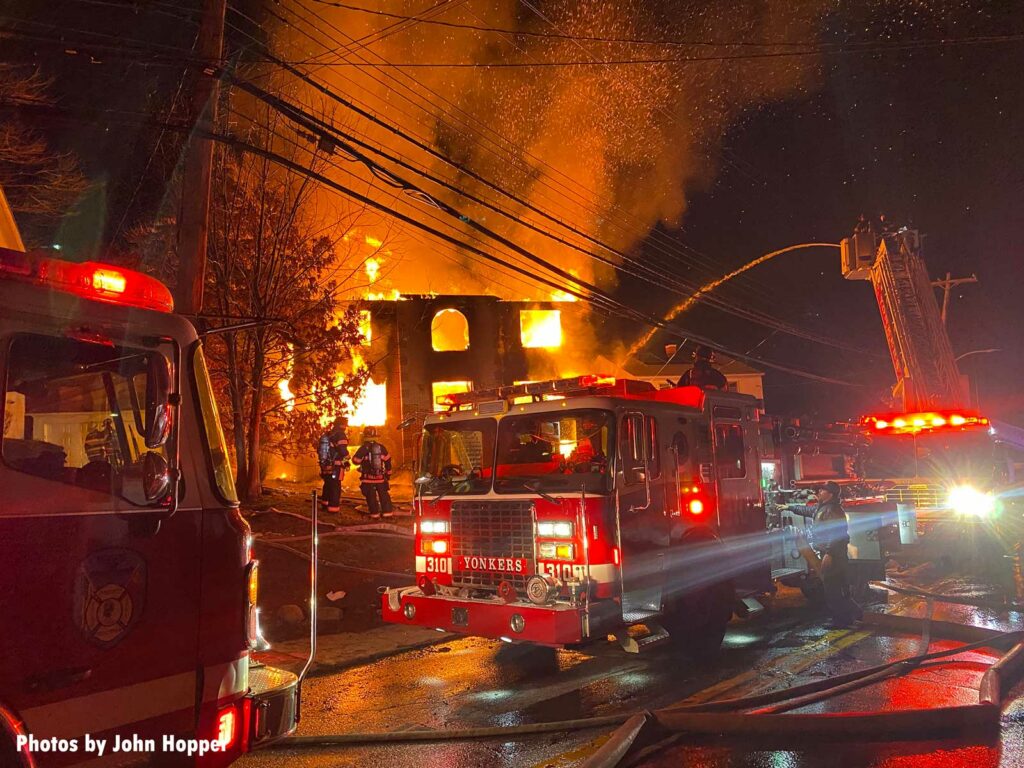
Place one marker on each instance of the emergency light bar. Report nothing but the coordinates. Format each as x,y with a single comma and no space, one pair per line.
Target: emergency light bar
90,280
930,421
537,389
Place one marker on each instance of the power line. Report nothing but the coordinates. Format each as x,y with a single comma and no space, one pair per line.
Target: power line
768,321
654,278
716,301
320,128
680,60
819,46
500,145
555,36
599,296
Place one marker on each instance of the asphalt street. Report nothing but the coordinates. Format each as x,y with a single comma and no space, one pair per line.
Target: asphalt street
472,682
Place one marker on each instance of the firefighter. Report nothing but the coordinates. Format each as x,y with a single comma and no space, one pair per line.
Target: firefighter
374,463
101,445
703,374
332,452
831,535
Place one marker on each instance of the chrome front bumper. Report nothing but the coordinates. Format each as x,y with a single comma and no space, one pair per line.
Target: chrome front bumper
273,704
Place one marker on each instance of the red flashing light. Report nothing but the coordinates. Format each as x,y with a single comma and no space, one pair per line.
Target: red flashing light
696,507
594,380
912,423
90,280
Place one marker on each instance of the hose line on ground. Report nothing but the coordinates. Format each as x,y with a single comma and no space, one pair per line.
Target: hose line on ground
678,710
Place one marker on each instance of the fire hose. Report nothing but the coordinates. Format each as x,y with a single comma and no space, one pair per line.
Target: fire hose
732,717
944,598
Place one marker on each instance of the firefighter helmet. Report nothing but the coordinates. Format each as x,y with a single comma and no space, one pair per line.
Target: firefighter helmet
704,352
370,433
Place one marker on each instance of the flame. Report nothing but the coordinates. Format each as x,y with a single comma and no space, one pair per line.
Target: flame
284,387
563,296
393,295
372,267
365,327
373,242
371,408
540,328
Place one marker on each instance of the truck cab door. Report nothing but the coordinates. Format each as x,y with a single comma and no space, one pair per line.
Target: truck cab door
643,529
99,590
741,512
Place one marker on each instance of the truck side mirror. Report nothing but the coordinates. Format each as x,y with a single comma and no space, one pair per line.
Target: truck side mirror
156,476
158,396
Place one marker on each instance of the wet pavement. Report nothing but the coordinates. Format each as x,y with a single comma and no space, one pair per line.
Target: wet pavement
471,682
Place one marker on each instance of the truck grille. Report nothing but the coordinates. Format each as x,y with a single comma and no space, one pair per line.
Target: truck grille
492,529
920,495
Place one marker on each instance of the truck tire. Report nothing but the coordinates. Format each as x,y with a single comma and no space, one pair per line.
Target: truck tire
696,620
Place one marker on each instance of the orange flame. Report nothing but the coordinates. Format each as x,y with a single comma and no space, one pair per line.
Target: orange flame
540,328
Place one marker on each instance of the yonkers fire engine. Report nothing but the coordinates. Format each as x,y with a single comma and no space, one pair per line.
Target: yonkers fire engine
128,591
563,511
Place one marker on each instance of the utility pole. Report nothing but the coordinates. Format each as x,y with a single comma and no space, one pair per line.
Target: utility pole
193,219
947,285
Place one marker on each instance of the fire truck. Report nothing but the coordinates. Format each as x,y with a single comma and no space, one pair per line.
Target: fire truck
129,589
563,511
932,454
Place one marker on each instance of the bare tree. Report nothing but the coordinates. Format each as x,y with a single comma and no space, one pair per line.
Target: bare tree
40,183
279,265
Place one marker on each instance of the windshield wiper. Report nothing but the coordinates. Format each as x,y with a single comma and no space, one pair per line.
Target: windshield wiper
534,485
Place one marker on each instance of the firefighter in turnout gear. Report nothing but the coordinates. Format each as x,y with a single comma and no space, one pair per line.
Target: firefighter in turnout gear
703,374
332,452
374,463
831,535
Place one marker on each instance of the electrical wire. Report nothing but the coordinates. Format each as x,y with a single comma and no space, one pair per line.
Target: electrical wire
755,317
599,297
503,140
318,126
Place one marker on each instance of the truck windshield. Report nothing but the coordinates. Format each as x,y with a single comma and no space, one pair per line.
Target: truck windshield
948,457
563,451
458,456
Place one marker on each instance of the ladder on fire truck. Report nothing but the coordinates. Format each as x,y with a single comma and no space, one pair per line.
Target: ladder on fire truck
927,376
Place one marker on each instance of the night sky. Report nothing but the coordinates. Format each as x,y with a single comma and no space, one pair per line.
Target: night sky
933,138
930,136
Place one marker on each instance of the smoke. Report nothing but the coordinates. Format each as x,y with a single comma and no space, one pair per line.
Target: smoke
613,150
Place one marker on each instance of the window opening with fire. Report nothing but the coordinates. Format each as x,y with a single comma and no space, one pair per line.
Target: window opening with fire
449,331
564,451
458,457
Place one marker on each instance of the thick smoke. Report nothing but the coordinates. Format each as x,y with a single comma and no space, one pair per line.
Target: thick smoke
611,149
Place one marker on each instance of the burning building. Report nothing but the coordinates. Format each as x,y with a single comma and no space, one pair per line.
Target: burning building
419,348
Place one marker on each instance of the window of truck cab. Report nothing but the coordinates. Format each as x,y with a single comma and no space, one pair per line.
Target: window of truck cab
457,456
74,421
555,451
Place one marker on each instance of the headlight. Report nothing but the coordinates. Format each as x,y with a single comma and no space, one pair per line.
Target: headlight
970,502
561,529
434,526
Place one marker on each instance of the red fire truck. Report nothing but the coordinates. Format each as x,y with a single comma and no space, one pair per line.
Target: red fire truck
128,590
557,512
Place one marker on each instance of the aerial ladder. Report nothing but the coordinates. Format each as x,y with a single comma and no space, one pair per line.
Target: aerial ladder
927,376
